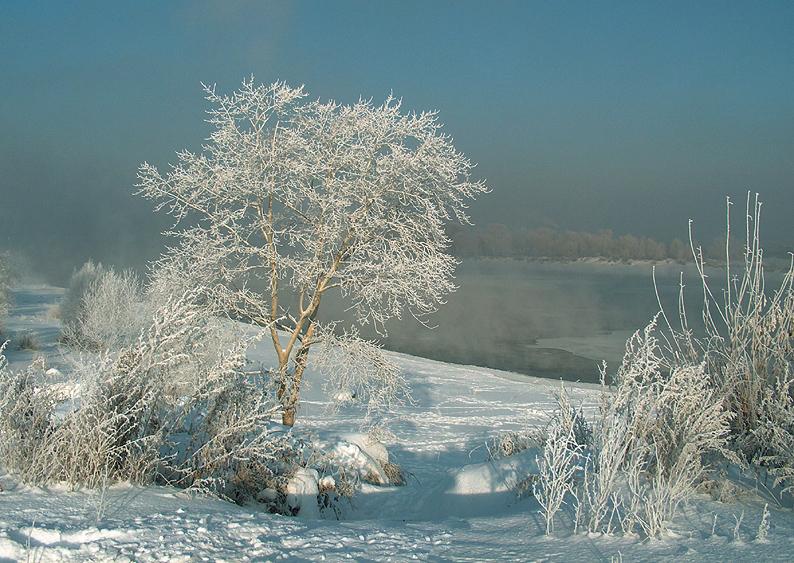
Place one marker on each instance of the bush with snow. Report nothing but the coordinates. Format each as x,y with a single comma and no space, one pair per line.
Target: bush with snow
112,313
683,404
72,304
564,451
134,402
747,349
653,440
5,282
26,340
510,443
358,372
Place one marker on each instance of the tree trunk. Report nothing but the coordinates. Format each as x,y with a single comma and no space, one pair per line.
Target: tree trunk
292,398
283,395
282,376
288,416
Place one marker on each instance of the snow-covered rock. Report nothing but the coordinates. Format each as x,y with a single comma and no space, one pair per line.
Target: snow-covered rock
302,491
267,495
327,483
496,476
352,457
370,446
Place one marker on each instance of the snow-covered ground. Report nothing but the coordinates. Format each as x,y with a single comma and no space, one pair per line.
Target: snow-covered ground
456,506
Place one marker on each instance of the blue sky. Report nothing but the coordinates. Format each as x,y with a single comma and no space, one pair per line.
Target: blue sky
632,116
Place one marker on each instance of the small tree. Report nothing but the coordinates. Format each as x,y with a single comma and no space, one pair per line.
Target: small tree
291,198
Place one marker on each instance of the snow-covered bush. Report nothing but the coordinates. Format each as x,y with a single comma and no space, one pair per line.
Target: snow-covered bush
683,398
113,314
110,313
232,449
747,348
653,440
26,418
358,372
775,433
657,434
133,403
27,340
512,442
567,439
5,282
73,301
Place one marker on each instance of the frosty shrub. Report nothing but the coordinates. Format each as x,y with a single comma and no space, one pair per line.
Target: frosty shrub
656,435
112,313
510,443
135,403
72,304
358,372
653,440
26,417
5,282
775,434
292,198
683,402
747,348
27,340
232,450
687,425
180,404
567,439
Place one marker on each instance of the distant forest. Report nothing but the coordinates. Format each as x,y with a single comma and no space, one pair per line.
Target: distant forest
500,241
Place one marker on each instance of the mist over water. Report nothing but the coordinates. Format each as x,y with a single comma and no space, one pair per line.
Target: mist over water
544,319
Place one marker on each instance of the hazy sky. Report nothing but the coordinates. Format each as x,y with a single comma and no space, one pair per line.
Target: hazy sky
632,116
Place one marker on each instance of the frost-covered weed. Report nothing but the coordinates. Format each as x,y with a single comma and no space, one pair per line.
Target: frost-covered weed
357,371
566,442
653,440
510,443
27,340
646,452
134,403
683,402
26,417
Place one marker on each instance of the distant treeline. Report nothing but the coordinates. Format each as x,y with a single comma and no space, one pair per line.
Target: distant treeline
500,241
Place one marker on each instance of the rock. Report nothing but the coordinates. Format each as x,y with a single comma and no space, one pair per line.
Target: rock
267,495
373,448
353,457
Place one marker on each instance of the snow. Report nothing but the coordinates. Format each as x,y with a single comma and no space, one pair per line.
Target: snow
371,447
302,491
456,504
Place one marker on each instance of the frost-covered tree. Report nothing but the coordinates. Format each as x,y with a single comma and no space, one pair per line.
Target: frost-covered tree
291,198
